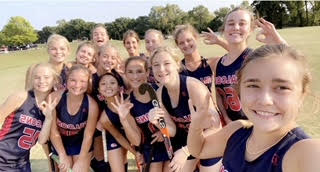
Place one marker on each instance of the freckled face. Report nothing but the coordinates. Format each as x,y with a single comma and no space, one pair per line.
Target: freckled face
271,92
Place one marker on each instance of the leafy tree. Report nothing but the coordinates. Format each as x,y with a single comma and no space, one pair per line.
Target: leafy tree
315,12
274,11
141,25
73,30
119,26
220,14
166,18
200,17
45,33
18,31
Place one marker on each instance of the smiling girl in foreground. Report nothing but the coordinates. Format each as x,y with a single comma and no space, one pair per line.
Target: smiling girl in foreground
76,116
28,119
272,84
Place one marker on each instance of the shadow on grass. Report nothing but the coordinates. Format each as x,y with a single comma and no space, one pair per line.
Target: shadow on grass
41,165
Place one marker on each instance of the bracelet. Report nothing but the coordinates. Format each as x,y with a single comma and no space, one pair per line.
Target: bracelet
185,150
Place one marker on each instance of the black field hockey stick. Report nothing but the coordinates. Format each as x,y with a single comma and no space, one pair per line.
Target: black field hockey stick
163,127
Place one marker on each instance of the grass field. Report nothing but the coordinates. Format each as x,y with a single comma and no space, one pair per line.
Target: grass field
14,65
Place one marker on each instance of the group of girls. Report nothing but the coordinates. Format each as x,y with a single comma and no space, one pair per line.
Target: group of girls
222,114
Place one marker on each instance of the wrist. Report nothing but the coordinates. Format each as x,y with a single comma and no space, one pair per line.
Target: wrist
194,127
186,151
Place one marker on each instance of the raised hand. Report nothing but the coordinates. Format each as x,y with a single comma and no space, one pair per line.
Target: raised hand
48,106
122,107
204,117
268,33
210,37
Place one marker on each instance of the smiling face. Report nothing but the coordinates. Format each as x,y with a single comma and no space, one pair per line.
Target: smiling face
108,86
237,27
271,92
164,67
136,73
77,82
100,36
58,51
153,41
108,58
42,79
132,46
85,55
186,42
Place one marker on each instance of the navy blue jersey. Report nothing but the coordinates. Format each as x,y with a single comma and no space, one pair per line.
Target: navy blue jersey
112,143
180,114
71,127
270,161
113,117
202,73
226,79
140,113
20,132
63,75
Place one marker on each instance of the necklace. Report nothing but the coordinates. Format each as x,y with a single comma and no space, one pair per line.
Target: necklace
263,149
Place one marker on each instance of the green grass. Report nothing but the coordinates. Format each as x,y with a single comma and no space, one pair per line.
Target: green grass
14,65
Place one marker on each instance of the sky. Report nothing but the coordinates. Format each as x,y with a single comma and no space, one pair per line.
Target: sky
42,13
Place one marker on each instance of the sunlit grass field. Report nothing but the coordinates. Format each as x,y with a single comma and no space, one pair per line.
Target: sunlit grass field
14,65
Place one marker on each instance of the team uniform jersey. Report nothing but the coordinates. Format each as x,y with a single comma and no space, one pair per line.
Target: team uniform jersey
270,161
156,151
182,118
112,143
226,80
71,127
18,134
202,73
180,114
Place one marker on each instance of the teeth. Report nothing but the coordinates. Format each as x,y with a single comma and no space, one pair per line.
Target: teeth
265,114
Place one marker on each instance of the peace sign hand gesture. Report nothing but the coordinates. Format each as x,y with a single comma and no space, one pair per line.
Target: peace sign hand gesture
268,34
204,117
210,37
48,106
122,107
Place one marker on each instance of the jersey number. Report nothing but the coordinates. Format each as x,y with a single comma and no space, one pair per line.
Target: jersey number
230,98
29,138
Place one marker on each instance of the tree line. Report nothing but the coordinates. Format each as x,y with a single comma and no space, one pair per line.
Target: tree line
19,31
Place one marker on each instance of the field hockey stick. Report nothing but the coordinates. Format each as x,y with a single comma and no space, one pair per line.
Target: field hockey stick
51,161
163,127
104,144
56,159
